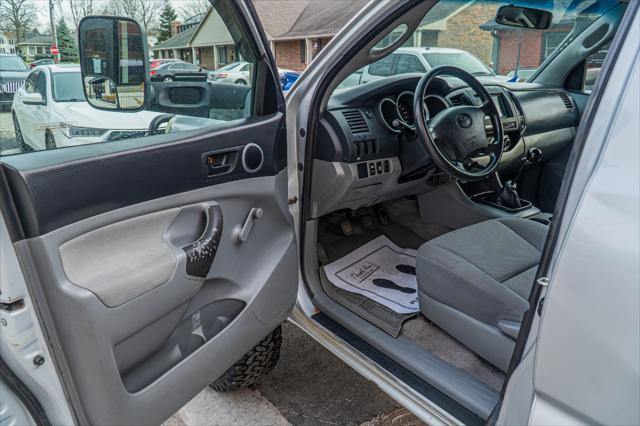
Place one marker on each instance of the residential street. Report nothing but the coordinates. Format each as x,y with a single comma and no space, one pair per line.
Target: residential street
309,386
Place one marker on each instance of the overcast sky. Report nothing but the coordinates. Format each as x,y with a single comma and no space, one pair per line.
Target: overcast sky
43,9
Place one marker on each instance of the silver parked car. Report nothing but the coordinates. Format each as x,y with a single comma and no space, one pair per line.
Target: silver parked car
13,72
235,73
468,244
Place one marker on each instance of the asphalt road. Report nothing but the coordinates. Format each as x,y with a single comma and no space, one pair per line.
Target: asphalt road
309,386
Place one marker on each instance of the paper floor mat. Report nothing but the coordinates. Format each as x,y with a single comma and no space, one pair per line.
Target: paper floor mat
381,271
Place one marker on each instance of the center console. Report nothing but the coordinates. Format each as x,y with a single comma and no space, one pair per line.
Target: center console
456,204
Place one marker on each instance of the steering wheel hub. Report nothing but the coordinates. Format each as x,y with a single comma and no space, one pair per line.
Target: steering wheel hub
464,120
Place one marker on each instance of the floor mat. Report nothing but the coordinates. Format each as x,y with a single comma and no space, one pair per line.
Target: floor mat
380,271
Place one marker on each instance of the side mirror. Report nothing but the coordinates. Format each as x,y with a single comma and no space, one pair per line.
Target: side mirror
524,17
113,52
32,99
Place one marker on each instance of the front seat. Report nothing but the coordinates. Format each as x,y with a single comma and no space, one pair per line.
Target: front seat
475,282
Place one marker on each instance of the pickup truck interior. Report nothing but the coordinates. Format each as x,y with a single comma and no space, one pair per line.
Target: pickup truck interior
431,196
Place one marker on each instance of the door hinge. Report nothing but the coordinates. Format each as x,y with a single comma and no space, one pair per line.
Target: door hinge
540,306
543,281
293,200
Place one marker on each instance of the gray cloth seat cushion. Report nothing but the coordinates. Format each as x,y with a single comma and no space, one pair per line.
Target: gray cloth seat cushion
486,270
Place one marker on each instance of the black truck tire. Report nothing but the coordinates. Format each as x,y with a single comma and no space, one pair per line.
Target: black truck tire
256,363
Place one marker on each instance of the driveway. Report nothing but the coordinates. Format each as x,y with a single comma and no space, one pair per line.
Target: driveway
309,386
7,135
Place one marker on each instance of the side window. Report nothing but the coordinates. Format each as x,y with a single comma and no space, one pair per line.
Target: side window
593,67
383,67
408,63
30,83
173,103
41,85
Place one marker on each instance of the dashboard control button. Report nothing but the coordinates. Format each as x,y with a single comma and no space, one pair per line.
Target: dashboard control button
387,166
362,171
372,169
379,167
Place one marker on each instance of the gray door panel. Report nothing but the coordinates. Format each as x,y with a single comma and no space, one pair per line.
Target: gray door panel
130,342
124,260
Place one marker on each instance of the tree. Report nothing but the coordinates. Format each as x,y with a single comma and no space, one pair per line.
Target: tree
17,16
147,12
143,11
167,16
66,43
194,9
75,10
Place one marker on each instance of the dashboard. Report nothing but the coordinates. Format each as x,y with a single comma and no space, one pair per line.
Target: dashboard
366,149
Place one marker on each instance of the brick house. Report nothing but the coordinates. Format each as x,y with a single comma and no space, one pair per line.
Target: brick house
524,48
297,30
457,25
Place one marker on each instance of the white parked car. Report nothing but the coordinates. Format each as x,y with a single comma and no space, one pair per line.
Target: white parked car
236,73
50,110
423,59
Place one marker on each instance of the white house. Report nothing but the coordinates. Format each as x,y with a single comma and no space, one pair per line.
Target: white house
7,42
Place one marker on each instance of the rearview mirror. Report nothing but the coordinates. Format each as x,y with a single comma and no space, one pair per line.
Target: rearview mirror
113,63
524,17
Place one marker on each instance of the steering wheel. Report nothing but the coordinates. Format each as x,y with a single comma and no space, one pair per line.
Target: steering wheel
158,121
455,136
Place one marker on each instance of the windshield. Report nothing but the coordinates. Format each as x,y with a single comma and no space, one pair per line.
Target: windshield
463,60
12,63
464,33
67,87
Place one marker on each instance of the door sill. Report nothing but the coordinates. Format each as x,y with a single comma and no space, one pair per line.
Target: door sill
349,348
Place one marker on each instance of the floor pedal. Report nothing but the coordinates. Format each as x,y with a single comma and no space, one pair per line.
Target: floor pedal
382,216
368,221
346,228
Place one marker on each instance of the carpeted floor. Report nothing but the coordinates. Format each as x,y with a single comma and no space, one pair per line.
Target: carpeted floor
406,230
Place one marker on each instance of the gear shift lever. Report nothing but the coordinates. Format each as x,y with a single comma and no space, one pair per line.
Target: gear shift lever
508,195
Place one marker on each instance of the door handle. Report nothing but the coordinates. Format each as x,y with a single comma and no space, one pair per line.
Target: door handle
219,162
200,253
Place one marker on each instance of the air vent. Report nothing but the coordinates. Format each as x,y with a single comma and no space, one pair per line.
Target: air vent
566,100
458,100
356,121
